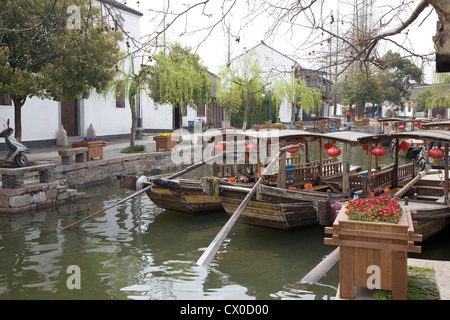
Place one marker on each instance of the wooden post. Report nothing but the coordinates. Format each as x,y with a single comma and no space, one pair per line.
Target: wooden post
320,160
369,171
282,170
395,169
446,182
345,183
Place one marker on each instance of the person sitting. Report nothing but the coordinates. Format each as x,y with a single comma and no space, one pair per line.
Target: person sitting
245,172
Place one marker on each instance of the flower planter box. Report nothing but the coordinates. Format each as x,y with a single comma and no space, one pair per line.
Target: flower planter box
95,148
359,123
164,143
365,245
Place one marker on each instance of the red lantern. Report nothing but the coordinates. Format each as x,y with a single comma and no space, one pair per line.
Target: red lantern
328,145
385,123
366,148
436,154
333,152
251,146
220,147
401,127
293,150
379,152
404,145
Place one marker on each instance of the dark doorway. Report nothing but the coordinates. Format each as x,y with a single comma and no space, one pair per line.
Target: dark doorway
69,117
177,118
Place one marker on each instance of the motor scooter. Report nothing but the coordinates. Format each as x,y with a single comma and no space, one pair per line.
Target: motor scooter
16,150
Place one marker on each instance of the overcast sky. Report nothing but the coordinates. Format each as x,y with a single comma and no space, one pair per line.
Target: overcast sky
213,50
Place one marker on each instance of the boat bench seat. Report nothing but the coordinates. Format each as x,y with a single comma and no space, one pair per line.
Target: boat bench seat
67,155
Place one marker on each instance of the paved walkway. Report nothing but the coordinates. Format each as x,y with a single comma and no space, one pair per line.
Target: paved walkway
111,150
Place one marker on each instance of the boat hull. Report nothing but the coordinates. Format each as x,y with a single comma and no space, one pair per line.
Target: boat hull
277,212
431,218
185,196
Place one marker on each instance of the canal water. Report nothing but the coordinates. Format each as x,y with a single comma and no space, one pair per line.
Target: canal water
139,251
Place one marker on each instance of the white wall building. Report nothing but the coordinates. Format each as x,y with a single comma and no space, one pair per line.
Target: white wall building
41,119
277,66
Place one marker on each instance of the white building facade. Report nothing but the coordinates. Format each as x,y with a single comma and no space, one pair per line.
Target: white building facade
41,119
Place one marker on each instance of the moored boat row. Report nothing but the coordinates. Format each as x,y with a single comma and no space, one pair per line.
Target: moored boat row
300,192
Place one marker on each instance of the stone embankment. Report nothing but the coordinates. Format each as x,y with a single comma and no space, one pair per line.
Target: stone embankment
44,185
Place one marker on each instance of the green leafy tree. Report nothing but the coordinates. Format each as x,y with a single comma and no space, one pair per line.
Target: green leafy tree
128,84
397,77
423,99
41,56
179,78
243,81
361,88
297,92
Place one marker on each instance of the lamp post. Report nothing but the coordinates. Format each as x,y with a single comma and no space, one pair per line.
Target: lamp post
269,91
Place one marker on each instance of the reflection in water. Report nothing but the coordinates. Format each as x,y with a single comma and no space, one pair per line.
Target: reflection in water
139,251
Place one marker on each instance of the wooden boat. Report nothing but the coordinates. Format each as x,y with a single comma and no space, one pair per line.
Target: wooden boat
302,195
288,205
185,195
426,192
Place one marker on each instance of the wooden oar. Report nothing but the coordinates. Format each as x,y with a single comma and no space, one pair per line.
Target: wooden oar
214,246
175,175
408,186
322,268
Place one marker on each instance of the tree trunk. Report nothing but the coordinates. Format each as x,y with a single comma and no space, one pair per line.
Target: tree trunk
359,111
247,109
132,100
18,103
442,38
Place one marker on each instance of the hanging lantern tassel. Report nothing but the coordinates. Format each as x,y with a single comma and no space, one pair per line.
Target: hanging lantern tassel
379,152
366,148
436,154
334,152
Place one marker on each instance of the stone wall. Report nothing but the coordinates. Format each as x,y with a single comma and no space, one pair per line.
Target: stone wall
57,184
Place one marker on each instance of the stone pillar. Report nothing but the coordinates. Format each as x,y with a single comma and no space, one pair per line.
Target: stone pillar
90,133
61,137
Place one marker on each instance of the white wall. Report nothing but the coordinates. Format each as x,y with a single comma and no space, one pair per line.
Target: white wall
41,119
156,116
275,66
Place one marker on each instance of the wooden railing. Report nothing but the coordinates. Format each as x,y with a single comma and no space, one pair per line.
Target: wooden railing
301,175
382,178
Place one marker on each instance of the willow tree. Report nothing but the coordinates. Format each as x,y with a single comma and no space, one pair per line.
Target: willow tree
243,80
437,96
310,99
41,56
179,78
129,82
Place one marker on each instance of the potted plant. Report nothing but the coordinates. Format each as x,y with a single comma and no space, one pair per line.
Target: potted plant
374,234
211,125
95,147
164,142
